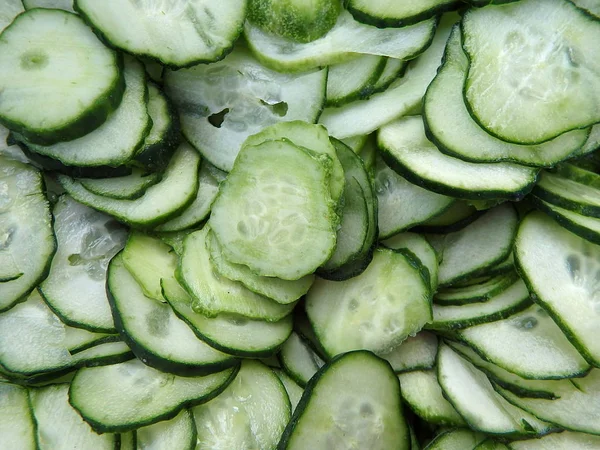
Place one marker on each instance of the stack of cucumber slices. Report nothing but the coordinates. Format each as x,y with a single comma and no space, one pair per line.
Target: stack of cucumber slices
281,224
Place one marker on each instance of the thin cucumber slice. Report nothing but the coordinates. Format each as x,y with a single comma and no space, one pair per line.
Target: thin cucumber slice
404,94
394,68
376,310
458,439
568,194
510,99
356,143
457,216
251,413
403,204
128,187
294,19
159,203
216,119
261,214
451,128
473,293
75,288
475,399
408,151
586,227
299,360
354,400
528,344
282,291
354,79
312,137
560,268
127,441
178,433
419,246
125,396
213,294
78,339
423,394
8,11
27,242
293,390
479,246
209,179
592,144
67,5
591,6
231,334
389,13
415,353
17,426
345,38
567,440
59,427
117,140
513,299
490,444
206,30
153,331
576,407
86,82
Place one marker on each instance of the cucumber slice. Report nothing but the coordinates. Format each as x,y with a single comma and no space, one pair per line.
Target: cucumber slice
543,59
251,413
345,38
125,396
8,11
591,6
457,216
404,94
376,310
36,74
394,68
75,288
232,334
117,140
451,128
406,149
216,119
265,205
474,293
560,269
403,204
299,360
353,401
415,353
390,13
177,433
423,394
27,243
128,441
293,390
457,439
159,203
128,187
206,30
213,294
528,344
153,332
568,194
354,79
567,440
17,426
67,5
586,227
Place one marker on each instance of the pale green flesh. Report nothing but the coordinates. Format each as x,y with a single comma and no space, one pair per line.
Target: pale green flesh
365,116
126,187
16,421
473,396
67,5
474,293
159,203
75,287
213,294
299,360
116,141
403,204
282,291
347,80
455,213
177,433
274,212
567,440
528,344
250,414
246,96
415,353
8,11
59,427
423,393
452,127
205,29
584,226
393,10
456,440
392,70
405,141
26,239
353,404
376,310
127,395
569,192
539,76
293,390
561,269
345,38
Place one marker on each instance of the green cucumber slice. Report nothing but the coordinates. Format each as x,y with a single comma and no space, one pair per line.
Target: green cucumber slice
17,426
389,13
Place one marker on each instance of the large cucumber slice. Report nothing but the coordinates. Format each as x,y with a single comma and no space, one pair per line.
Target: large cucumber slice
17,426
